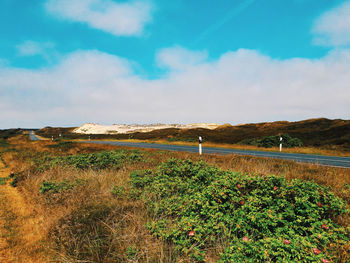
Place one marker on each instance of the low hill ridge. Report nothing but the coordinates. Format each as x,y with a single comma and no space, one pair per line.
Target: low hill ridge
312,132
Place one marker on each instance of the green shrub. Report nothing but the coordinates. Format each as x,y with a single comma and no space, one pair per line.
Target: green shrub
4,143
58,187
118,191
96,161
14,181
274,141
3,180
197,206
63,145
131,253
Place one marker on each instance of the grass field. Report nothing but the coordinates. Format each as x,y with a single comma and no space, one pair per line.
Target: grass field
100,203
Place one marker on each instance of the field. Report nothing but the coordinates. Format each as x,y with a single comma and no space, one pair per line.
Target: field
71,202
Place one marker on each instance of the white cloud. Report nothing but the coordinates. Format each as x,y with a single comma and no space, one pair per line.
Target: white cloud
240,86
121,19
32,48
333,27
178,58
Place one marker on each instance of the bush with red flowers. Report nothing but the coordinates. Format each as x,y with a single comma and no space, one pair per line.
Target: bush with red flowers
199,207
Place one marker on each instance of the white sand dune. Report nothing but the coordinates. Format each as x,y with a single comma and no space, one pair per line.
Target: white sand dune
92,128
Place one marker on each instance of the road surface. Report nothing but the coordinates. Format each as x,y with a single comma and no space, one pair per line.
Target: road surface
33,137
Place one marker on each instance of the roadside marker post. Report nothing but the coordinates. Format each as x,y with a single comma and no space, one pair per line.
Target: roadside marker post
280,143
200,145
51,138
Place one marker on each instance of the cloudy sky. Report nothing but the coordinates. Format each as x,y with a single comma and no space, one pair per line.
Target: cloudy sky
67,62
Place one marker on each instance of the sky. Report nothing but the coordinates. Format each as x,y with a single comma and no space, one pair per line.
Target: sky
69,62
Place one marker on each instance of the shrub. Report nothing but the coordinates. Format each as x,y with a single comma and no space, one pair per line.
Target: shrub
14,181
3,180
58,187
131,253
197,206
64,145
99,160
118,191
4,143
274,141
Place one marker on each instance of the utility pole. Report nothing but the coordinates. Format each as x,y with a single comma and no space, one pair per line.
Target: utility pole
200,145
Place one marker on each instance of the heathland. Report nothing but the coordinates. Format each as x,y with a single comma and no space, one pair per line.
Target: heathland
317,135
65,201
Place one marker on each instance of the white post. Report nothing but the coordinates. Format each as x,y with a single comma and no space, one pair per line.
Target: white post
200,145
280,144
51,138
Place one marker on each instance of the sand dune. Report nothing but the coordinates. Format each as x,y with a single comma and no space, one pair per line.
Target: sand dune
92,128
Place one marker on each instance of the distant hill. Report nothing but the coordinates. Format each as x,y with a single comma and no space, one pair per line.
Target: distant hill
8,133
312,132
92,128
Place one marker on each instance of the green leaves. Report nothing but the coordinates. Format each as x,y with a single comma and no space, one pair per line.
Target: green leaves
274,141
225,207
96,161
59,187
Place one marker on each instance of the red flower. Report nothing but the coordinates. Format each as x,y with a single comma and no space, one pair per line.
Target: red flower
316,251
275,188
239,186
286,242
241,202
324,226
324,260
245,238
191,233
319,204
319,236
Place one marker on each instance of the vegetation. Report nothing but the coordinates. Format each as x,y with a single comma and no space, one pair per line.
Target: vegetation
63,145
3,180
8,133
274,141
100,160
255,219
57,187
102,203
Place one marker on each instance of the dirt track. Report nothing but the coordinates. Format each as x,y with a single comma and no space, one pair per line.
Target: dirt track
19,227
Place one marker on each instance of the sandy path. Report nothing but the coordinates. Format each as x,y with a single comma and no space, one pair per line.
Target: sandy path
19,226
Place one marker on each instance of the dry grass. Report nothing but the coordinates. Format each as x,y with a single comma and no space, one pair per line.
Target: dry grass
116,231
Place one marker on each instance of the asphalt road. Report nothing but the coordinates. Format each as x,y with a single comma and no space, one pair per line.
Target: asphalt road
303,158
33,137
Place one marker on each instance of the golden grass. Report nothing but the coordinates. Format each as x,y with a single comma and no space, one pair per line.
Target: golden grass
53,217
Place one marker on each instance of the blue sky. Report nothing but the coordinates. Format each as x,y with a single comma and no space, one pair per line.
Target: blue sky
66,62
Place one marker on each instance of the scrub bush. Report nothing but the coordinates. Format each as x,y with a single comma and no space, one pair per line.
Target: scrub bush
274,141
254,219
